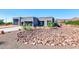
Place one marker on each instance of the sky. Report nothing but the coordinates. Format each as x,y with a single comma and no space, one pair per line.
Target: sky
8,14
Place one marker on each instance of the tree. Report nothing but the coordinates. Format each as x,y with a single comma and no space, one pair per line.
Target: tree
1,22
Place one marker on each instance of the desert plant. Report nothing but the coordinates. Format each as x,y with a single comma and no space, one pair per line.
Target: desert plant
76,22
27,27
50,24
8,23
1,22
56,25
19,29
24,27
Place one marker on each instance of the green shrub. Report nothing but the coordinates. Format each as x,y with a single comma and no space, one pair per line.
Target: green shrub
72,22
56,25
1,22
27,27
8,23
49,24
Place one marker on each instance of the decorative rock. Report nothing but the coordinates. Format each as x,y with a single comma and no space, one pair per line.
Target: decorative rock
26,43
2,32
52,37
33,43
52,44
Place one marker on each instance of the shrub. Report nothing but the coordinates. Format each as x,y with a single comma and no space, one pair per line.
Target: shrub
72,22
49,24
8,23
1,22
27,27
56,25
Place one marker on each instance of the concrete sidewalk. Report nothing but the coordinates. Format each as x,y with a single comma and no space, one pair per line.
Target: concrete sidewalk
10,29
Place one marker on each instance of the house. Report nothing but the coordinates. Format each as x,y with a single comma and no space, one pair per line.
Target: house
33,21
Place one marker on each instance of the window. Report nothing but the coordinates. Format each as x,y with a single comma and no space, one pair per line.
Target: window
41,23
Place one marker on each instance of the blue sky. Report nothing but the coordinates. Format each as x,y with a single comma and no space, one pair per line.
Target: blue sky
8,14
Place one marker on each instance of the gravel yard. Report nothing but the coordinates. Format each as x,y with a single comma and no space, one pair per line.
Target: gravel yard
64,37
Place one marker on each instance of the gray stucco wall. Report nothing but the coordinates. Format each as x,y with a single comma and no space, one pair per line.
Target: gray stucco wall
45,19
35,20
17,19
26,19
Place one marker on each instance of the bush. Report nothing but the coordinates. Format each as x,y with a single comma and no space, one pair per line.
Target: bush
8,23
27,27
1,22
49,24
72,22
56,25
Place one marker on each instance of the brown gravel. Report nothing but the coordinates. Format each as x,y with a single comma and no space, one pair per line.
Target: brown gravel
64,37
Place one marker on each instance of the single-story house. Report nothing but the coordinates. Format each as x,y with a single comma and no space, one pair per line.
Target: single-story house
34,21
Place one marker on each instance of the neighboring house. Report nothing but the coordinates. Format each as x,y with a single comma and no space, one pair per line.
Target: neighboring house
34,21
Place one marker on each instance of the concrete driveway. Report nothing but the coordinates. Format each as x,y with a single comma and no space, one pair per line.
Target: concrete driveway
10,29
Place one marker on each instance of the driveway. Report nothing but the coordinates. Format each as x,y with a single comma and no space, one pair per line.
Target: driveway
10,29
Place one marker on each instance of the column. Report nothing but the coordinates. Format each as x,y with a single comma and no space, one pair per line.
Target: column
19,23
32,23
45,23
24,23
